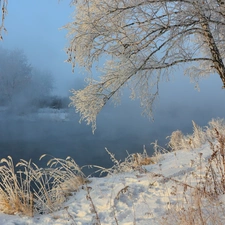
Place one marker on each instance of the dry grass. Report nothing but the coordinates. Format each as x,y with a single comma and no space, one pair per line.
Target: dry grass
198,210
201,204
199,137
158,152
15,191
30,189
197,202
131,162
27,189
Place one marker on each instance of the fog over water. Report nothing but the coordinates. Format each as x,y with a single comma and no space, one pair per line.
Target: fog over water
32,28
118,128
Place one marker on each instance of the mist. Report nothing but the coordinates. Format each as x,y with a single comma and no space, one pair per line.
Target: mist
120,129
25,134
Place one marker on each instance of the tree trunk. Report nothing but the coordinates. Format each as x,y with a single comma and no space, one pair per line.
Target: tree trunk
216,56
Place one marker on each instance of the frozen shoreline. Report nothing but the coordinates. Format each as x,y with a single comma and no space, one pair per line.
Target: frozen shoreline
142,195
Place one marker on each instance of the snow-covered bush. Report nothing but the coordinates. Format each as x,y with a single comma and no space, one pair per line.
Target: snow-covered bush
202,202
199,137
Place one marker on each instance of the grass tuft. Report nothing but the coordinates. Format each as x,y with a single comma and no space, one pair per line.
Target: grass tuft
132,162
30,189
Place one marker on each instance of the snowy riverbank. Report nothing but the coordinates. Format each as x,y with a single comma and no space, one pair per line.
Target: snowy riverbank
141,196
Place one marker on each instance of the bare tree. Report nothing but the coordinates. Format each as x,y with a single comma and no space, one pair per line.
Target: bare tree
15,73
22,87
3,5
143,41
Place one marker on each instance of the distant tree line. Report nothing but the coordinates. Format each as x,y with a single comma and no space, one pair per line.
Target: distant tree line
54,102
24,88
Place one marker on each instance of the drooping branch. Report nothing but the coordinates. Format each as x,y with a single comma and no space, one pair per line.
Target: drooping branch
142,41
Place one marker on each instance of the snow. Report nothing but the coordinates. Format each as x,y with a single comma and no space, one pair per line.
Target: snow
140,196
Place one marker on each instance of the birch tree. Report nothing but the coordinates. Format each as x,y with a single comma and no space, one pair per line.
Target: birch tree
143,42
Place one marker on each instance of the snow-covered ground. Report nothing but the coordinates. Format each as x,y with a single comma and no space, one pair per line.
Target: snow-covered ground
141,196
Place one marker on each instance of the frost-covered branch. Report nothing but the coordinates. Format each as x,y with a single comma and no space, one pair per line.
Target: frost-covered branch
142,41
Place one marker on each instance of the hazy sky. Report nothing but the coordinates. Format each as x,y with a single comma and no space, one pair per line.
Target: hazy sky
34,27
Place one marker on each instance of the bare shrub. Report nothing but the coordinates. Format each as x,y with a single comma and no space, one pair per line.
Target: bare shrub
199,210
199,137
217,124
177,141
215,170
201,204
180,141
